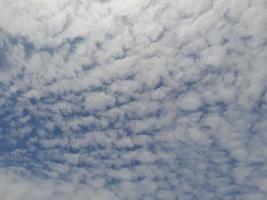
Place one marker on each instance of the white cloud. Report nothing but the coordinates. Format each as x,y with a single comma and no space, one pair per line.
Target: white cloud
98,101
113,99
13,187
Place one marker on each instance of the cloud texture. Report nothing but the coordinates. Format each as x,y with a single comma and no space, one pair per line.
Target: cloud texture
144,99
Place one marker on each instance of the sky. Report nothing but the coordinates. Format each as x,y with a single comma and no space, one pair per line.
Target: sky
133,99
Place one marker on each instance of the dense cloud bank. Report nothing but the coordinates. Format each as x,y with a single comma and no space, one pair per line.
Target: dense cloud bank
141,99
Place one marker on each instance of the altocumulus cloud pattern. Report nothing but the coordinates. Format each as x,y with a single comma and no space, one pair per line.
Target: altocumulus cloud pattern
133,99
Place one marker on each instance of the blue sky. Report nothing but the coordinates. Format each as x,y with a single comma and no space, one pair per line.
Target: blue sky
145,99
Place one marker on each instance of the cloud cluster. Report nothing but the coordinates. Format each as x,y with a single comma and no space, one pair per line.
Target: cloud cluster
144,99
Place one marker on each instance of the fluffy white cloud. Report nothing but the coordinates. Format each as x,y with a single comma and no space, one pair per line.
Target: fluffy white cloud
99,101
145,99
13,187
